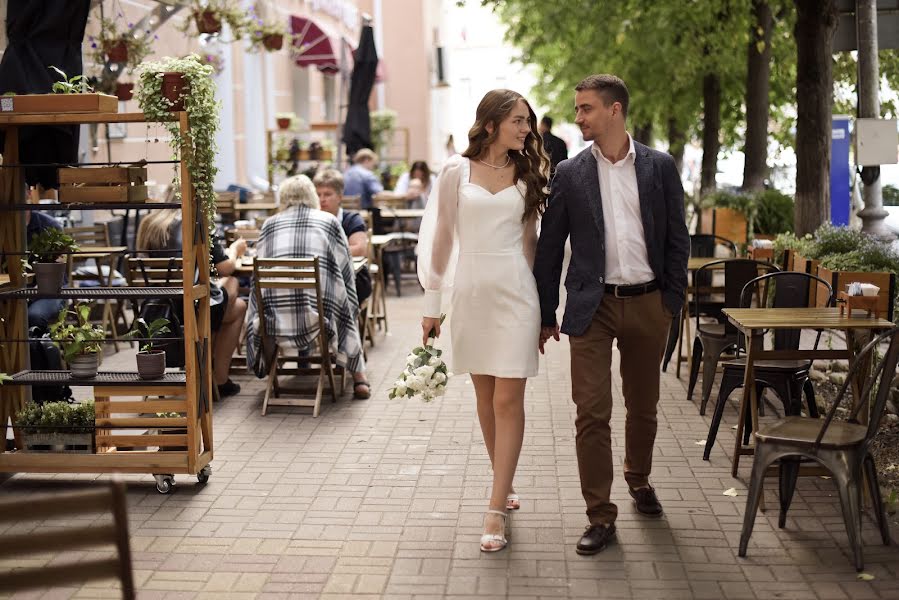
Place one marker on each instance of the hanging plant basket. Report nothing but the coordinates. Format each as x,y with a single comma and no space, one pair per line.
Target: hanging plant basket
124,91
283,123
208,21
273,41
174,88
116,51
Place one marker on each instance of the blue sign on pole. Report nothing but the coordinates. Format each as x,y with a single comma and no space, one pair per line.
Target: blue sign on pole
840,186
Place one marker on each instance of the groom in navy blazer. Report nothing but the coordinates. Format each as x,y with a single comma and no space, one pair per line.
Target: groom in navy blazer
622,204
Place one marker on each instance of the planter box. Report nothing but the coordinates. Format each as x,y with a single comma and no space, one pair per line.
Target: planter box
173,432
59,103
839,280
725,222
67,443
762,254
103,184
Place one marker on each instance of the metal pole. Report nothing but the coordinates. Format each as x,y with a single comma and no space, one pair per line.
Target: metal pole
873,214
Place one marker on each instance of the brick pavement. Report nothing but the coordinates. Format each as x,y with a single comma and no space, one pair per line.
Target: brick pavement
384,499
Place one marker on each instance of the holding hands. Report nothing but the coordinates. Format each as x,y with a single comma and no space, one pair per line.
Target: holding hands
546,333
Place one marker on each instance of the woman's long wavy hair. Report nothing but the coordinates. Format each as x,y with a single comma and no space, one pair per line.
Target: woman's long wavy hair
531,163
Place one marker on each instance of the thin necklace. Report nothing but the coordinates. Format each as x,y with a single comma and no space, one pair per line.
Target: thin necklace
502,166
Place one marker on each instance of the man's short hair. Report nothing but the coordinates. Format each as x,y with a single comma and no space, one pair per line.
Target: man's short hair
611,88
548,121
363,155
330,178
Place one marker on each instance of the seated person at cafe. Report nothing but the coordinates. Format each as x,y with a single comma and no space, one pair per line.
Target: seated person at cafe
329,186
302,230
416,184
159,236
43,311
360,180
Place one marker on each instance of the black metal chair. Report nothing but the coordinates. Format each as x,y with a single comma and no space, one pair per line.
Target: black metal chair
788,378
839,446
702,245
712,339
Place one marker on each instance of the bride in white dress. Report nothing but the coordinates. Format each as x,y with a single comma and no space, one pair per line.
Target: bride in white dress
477,242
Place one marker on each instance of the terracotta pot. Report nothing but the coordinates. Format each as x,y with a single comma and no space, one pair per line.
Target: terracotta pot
208,21
283,123
273,41
151,365
116,51
84,366
50,277
124,91
174,87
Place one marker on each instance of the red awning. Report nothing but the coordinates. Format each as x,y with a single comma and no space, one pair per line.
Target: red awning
313,46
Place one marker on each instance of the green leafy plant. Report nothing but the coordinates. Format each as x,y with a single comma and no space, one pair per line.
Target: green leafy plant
774,212
199,147
225,11
890,197
137,44
4,377
79,338
77,84
154,329
56,417
261,33
49,244
382,124
788,241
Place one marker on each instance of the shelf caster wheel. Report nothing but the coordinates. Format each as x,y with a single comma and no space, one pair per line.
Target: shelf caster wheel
203,475
164,483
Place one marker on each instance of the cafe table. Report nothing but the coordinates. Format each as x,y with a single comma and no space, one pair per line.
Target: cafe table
754,323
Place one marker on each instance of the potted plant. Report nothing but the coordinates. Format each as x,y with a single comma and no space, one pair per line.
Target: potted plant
209,15
266,35
57,427
287,121
150,361
124,91
198,149
45,249
382,125
116,44
79,342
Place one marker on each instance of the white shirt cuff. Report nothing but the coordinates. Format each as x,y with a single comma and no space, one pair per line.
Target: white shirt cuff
432,303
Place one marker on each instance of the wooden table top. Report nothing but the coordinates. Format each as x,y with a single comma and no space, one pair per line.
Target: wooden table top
403,213
4,279
245,264
256,206
697,262
99,251
747,319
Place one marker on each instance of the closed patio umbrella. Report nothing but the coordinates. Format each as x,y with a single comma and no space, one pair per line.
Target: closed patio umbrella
357,128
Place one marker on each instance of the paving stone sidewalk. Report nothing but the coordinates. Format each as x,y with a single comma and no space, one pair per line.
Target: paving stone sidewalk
384,499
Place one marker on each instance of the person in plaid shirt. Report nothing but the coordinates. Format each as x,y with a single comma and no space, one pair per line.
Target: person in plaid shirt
303,230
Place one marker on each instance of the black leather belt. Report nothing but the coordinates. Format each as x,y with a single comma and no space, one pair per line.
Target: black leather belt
628,291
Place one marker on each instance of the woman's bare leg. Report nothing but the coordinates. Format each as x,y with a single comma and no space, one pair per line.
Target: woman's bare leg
484,387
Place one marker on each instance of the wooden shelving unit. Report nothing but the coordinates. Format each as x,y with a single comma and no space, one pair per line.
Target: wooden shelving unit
325,156
126,440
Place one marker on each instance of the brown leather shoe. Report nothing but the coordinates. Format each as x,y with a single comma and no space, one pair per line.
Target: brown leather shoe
595,539
646,501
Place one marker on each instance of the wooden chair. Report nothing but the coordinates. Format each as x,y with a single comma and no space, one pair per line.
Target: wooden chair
225,202
842,447
154,272
352,202
297,275
68,507
97,236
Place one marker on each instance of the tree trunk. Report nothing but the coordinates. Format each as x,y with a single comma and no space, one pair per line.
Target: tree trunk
711,125
755,167
677,140
643,133
816,21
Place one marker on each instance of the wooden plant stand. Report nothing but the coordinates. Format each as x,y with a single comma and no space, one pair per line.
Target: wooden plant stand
127,440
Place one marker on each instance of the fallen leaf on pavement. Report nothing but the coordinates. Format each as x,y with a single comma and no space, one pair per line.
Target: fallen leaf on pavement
732,492
865,577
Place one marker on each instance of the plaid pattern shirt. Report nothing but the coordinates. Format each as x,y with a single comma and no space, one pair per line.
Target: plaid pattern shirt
291,315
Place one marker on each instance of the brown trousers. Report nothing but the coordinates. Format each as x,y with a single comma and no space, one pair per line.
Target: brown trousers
640,324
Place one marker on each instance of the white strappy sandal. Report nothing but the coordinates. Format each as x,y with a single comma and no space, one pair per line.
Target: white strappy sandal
513,502
494,542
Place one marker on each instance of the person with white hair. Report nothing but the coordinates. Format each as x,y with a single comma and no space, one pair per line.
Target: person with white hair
302,230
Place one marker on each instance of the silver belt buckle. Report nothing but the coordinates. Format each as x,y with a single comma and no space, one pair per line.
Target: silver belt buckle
617,295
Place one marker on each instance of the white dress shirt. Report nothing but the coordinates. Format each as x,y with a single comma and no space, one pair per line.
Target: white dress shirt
627,260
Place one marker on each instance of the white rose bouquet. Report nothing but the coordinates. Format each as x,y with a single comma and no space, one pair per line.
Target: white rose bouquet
425,375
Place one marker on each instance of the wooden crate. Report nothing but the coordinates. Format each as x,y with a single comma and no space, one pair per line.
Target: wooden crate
103,184
840,281
59,103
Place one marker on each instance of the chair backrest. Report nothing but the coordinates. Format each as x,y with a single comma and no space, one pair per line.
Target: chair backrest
288,274
89,235
225,202
737,273
703,245
66,507
353,202
790,290
250,235
154,272
885,369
